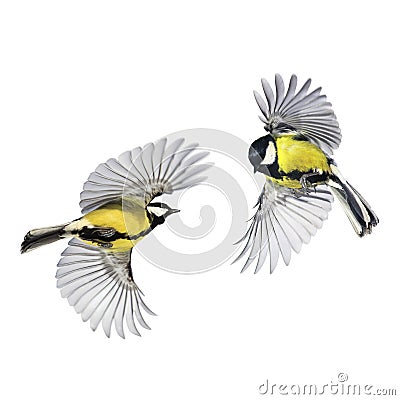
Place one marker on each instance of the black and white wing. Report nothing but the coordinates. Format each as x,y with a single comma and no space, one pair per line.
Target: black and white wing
99,285
308,113
144,173
283,221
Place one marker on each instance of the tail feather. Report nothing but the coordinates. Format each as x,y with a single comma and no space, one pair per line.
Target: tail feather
358,211
374,218
39,237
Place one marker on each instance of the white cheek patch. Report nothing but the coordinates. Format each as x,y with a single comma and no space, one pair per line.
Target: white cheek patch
270,154
158,211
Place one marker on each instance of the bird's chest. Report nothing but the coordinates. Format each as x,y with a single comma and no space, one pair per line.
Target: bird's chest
112,227
296,158
299,155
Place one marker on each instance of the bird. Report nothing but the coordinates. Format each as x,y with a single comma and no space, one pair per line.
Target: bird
301,132
119,208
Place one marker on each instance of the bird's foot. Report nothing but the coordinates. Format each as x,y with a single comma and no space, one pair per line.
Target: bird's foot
105,232
306,186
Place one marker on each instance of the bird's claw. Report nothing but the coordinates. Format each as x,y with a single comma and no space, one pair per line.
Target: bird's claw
105,232
305,185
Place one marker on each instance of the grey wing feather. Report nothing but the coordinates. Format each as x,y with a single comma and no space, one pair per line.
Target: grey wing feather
308,113
282,222
144,173
99,285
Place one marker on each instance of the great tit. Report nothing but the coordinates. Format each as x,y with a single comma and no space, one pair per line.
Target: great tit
295,157
95,271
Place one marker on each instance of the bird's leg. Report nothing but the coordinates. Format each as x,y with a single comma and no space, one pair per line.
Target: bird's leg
305,184
104,232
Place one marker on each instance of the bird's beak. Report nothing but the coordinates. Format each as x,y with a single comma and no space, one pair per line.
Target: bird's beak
174,210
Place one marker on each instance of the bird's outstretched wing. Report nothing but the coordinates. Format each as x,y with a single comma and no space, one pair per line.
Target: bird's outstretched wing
307,113
144,173
99,285
283,221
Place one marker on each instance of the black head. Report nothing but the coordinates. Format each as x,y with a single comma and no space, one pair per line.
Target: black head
262,153
159,212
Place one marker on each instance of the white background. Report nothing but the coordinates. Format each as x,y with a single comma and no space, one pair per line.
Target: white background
84,81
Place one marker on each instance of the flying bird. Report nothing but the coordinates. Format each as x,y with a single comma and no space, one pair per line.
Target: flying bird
295,155
119,209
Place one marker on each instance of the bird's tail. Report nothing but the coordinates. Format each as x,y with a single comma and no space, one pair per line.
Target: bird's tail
39,237
358,211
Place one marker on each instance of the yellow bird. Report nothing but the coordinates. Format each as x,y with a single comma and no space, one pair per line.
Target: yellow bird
95,271
295,157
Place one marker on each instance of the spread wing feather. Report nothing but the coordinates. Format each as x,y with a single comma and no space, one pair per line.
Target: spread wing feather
144,173
307,113
283,221
99,285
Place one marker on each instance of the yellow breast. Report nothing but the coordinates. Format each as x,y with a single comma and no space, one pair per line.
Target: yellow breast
132,220
300,155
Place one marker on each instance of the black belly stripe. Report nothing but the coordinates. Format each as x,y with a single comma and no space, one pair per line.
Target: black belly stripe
296,176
